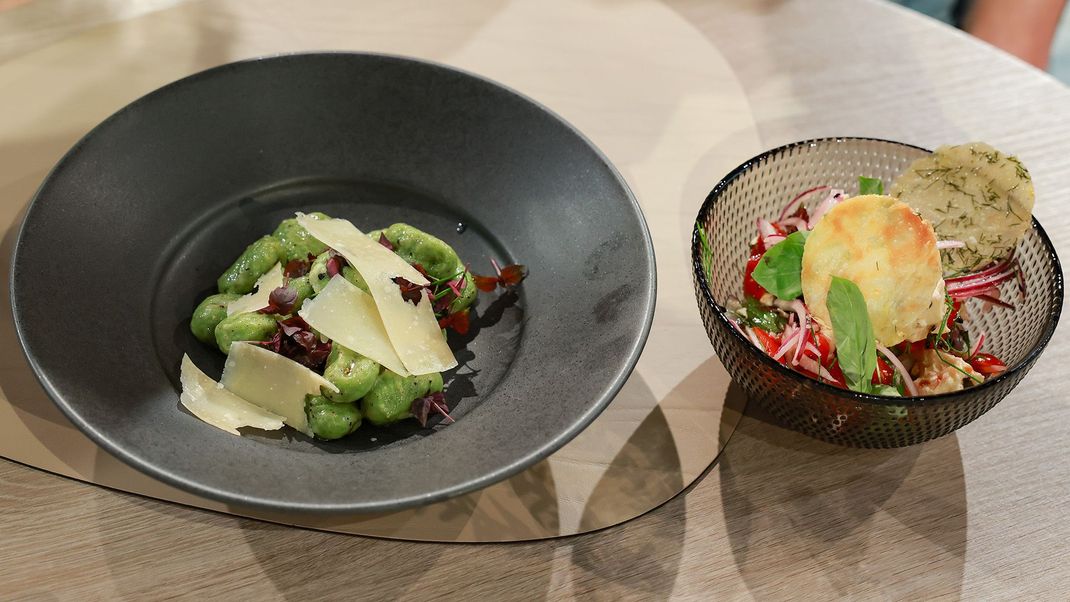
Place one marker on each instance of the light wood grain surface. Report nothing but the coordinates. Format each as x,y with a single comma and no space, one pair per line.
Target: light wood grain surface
976,515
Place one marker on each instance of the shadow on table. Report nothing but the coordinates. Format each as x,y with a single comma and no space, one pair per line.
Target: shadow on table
643,556
610,557
396,569
835,515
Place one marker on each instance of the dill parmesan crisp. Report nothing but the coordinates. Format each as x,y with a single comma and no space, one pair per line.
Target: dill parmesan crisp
970,193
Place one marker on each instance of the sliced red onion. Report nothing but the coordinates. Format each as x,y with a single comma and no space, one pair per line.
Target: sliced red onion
767,232
834,197
809,363
788,344
737,327
772,241
804,321
977,346
804,327
793,205
765,227
907,381
825,374
800,310
993,269
980,283
1020,277
797,222
950,244
754,338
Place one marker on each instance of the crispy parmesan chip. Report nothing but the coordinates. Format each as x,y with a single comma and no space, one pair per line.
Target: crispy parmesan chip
879,244
971,193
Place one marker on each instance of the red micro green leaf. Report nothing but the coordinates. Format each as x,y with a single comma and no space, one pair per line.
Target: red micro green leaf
383,240
288,328
409,291
423,407
420,409
509,276
281,301
295,340
438,404
512,275
274,343
295,268
457,286
335,263
442,304
458,321
486,284
284,298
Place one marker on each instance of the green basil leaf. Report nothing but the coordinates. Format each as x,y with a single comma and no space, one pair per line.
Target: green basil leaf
887,390
761,317
900,386
780,270
870,185
856,347
707,252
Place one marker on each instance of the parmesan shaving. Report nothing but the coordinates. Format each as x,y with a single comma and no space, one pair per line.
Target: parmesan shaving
208,400
413,329
259,298
273,382
348,316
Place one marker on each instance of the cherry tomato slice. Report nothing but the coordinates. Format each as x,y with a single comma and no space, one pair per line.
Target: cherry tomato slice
751,288
987,364
770,341
824,348
834,371
884,373
956,305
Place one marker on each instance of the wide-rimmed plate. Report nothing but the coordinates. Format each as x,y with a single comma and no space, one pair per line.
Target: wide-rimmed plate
131,228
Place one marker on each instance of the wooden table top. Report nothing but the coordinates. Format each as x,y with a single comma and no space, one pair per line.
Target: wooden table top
978,514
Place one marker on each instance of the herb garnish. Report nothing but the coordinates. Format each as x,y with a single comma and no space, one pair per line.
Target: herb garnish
422,407
780,270
410,291
762,317
295,268
505,277
295,339
856,346
870,185
281,301
942,343
707,252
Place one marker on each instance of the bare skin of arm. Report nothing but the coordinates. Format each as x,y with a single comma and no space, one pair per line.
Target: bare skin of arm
1024,28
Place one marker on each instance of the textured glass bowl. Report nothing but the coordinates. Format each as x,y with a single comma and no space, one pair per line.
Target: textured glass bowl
760,187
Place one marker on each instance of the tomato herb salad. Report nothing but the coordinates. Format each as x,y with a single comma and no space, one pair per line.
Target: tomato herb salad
868,292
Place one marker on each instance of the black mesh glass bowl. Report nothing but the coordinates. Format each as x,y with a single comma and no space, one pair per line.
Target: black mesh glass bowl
760,187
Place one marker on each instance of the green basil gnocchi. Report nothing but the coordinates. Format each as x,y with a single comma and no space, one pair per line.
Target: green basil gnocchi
260,302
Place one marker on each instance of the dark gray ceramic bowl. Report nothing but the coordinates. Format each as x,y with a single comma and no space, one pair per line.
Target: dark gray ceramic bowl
131,228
